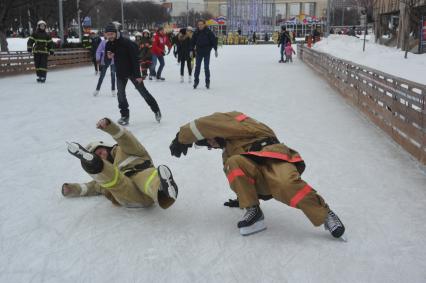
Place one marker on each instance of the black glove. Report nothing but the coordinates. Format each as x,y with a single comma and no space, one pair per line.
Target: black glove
30,50
177,148
232,203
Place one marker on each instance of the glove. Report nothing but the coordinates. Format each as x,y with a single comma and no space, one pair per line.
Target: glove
232,203
51,52
29,49
216,54
177,148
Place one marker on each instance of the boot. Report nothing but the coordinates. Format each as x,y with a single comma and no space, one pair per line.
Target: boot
252,221
124,121
158,116
80,152
96,93
168,191
334,225
195,84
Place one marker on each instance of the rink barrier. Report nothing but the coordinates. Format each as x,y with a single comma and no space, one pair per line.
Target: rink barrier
21,62
394,104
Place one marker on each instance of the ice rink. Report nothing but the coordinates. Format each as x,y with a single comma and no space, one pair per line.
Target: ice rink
376,188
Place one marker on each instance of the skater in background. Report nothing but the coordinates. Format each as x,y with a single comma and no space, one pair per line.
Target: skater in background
282,42
104,63
183,53
203,41
258,166
40,44
145,55
124,172
289,51
95,40
124,52
159,43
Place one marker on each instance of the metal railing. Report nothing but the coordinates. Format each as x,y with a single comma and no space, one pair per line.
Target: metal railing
394,104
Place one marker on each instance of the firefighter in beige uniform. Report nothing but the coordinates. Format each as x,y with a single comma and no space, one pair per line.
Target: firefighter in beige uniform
124,173
257,166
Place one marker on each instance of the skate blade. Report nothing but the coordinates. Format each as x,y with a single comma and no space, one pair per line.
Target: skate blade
166,176
343,238
257,227
75,149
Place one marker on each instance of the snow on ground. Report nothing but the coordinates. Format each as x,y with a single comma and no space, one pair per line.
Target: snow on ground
386,59
376,188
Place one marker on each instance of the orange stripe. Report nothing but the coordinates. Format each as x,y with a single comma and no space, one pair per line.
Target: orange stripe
238,173
276,155
300,195
241,117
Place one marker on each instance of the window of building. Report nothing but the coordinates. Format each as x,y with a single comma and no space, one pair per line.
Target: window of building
294,9
309,9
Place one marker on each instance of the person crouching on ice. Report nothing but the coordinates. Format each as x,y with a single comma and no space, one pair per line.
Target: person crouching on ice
124,172
257,166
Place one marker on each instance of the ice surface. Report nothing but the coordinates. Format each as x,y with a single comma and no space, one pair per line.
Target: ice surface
375,187
386,59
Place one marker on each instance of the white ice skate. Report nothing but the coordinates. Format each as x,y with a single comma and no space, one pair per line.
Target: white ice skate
182,79
190,79
96,93
113,93
80,152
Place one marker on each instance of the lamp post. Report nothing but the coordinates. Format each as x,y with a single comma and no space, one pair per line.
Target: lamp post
122,14
61,22
78,21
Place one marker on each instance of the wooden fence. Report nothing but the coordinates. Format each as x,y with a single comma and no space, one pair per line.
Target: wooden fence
20,62
394,104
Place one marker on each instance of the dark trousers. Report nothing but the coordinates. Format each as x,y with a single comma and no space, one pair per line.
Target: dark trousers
95,63
122,100
104,69
282,52
40,63
188,64
160,59
198,59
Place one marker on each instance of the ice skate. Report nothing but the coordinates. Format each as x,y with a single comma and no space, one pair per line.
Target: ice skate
190,79
160,79
334,225
96,93
113,93
208,85
182,79
158,116
124,121
168,192
79,151
195,85
252,222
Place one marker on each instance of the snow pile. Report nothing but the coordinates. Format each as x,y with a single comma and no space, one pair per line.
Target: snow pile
386,59
375,187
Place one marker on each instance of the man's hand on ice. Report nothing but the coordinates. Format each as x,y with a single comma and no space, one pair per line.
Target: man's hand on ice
103,123
177,148
232,203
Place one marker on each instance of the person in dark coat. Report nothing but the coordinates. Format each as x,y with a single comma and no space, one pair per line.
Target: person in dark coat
282,42
145,55
41,45
95,41
183,52
126,60
202,42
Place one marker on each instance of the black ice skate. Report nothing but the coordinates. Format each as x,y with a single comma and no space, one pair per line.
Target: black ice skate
124,121
168,191
80,152
207,85
334,225
195,84
158,116
160,79
42,80
252,222
38,79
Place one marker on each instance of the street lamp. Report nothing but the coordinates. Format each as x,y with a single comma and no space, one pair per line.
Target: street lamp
122,14
61,22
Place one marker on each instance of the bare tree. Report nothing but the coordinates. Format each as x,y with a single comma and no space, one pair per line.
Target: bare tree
409,19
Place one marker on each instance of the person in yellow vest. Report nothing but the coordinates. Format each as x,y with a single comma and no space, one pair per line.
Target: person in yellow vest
40,44
258,166
124,173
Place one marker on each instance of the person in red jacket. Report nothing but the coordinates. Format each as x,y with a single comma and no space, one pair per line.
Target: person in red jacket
158,51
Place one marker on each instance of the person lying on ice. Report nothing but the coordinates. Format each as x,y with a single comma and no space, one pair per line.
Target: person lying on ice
257,166
124,172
